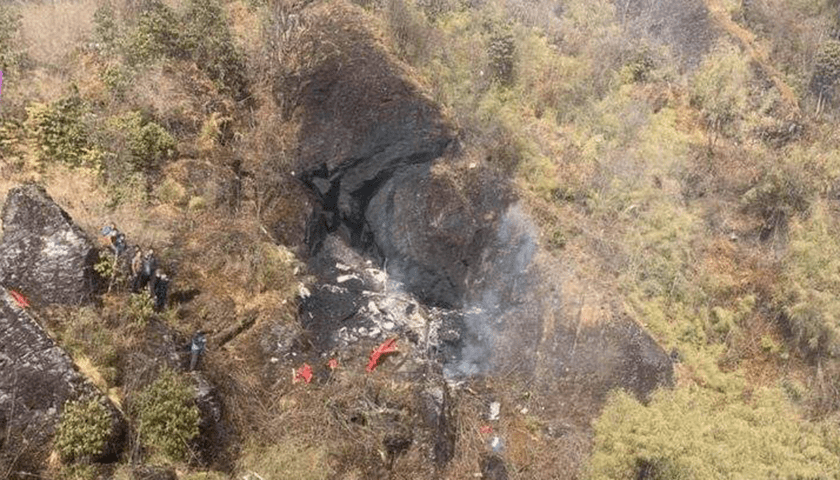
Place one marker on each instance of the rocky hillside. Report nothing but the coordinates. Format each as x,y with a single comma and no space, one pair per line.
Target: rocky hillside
419,239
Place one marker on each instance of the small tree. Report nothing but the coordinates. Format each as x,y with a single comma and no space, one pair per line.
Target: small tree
167,416
83,430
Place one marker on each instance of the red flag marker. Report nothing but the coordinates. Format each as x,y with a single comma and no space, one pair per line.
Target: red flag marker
387,347
303,373
333,363
19,299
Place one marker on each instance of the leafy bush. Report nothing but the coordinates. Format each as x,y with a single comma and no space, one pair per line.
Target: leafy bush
167,416
808,294
782,191
408,29
148,144
140,308
83,430
210,42
502,54
9,27
106,33
158,34
826,68
58,131
720,88
693,433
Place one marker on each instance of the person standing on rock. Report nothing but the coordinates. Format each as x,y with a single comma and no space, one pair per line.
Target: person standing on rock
113,239
197,346
136,269
160,290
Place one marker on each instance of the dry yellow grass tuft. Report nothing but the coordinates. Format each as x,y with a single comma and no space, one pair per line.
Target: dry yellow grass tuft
52,29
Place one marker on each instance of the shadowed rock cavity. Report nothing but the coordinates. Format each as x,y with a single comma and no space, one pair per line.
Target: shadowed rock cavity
44,255
36,379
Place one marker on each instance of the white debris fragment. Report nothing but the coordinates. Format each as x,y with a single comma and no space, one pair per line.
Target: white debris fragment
524,411
388,325
343,267
378,275
497,444
344,278
303,292
495,408
274,360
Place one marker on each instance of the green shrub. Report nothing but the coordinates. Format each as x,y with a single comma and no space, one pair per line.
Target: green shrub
147,144
782,192
210,42
502,55
158,34
83,429
826,67
106,32
809,294
693,433
58,131
140,308
167,416
720,88
10,52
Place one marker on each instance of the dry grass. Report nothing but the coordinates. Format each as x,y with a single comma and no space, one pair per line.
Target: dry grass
52,30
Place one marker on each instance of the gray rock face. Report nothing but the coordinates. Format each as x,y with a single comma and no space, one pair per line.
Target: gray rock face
36,379
43,254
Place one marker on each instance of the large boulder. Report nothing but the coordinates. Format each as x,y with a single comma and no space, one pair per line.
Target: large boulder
43,254
37,378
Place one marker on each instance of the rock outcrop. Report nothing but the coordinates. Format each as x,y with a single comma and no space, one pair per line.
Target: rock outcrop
44,255
36,379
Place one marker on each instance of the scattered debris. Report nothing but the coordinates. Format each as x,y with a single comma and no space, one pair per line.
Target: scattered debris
485,430
388,346
20,300
497,444
333,363
303,373
495,408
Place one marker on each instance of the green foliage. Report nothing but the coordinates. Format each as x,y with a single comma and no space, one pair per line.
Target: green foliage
83,429
720,88
810,290
210,42
59,132
9,26
693,433
78,472
502,55
408,29
273,267
158,34
140,308
167,416
783,191
200,33
106,32
826,67
106,264
147,143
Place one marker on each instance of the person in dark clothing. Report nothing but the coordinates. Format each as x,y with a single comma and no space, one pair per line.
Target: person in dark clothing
197,346
161,288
